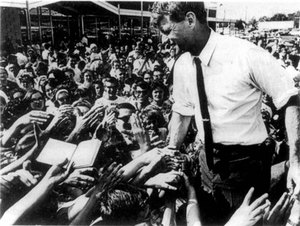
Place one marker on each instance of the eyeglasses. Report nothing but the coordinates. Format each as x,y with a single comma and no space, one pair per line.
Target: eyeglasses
37,100
141,91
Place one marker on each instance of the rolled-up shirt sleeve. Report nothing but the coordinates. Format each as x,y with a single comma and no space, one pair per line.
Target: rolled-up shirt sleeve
270,77
181,89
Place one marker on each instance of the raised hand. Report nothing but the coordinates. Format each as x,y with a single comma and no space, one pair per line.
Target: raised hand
29,155
90,119
108,178
165,180
109,118
140,133
249,214
56,174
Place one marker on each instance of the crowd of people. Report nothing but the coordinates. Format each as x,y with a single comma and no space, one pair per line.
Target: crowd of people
120,94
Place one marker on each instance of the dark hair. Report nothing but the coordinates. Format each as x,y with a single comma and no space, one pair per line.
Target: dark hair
177,11
121,204
112,80
29,95
147,72
126,105
143,85
16,90
160,85
51,82
42,68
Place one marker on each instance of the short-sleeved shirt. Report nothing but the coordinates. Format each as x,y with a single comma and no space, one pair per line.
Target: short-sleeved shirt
109,103
236,73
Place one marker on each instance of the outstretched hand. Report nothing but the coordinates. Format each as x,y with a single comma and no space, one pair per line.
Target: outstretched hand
108,178
90,119
280,212
39,117
57,173
249,214
165,180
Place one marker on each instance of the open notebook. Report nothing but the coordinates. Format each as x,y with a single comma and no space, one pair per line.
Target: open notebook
83,155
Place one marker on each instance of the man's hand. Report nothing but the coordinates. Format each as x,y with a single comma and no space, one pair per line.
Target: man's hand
165,180
56,174
39,117
280,212
81,177
108,178
293,181
90,119
248,214
139,132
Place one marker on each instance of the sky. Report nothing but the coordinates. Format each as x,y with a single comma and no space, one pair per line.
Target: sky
246,10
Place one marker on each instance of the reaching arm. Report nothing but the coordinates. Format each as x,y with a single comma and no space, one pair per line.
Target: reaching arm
169,217
55,175
292,123
179,125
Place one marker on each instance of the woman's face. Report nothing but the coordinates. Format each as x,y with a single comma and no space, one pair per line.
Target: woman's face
147,78
37,102
26,85
63,98
98,90
49,91
88,77
158,94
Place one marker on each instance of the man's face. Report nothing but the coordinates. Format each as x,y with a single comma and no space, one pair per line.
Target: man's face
37,102
116,65
177,32
157,75
140,93
98,89
147,78
110,89
63,98
88,77
49,91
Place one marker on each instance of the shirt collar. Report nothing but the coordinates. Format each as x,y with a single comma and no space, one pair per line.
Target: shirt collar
208,50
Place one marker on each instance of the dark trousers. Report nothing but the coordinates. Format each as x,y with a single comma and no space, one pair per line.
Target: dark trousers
236,170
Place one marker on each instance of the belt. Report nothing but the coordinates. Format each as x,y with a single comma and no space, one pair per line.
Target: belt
237,151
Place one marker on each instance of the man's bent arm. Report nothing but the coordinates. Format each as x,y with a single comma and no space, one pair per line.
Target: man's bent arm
292,123
178,128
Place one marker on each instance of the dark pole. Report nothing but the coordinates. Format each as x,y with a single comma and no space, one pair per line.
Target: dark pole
28,22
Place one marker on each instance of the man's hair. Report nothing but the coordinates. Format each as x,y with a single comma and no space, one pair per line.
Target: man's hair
126,105
177,11
112,80
122,204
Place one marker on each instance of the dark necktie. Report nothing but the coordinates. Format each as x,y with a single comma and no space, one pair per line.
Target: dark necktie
208,139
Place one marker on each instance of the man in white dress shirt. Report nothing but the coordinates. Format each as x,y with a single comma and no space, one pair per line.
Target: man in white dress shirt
236,73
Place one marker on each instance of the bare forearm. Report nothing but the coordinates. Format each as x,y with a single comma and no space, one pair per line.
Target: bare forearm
26,204
192,210
178,128
18,163
292,122
85,216
169,218
11,132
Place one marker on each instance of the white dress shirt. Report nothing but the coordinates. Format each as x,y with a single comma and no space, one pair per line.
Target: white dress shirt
236,73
